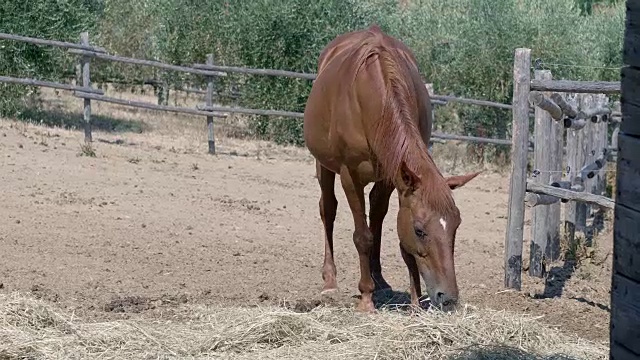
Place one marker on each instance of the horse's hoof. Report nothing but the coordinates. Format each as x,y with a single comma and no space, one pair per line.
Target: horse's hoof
415,308
328,291
366,307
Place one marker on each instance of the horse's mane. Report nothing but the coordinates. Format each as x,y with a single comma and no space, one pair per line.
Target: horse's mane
396,138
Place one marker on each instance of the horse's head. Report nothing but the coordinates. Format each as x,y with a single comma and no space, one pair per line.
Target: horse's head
427,223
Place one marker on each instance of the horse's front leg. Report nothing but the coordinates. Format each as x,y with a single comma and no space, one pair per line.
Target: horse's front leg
379,205
362,237
414,277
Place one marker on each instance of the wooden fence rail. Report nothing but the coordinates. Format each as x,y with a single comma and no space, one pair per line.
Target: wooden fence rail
440,99
87,52
585,87
601,201
48,84
151,63
55,43
145,105
242,70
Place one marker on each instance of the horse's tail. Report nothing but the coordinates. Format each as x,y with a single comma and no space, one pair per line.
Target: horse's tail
393,130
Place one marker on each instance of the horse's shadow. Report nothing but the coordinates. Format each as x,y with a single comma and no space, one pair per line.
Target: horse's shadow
389,299
503,352
557,279
68,120
558,276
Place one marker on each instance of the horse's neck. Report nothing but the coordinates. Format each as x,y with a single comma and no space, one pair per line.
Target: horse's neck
420,159
418,155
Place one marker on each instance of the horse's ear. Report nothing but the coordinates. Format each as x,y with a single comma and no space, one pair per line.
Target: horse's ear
409,178
455,182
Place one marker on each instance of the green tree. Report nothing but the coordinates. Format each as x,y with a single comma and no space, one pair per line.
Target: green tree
49,19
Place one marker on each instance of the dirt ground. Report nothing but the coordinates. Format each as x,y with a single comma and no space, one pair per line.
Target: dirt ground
153,220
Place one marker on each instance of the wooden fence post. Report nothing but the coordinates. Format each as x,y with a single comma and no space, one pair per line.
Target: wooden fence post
590,154
165,90
584,148
209,102
575,212
519,152
429,87
603,144
600,145
78,69
616,129
600,178
86,83
544,139
556,164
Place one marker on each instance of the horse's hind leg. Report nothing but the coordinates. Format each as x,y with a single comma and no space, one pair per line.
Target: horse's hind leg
362,237
379,205
328,206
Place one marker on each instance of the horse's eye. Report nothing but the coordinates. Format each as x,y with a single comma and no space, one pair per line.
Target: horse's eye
419,232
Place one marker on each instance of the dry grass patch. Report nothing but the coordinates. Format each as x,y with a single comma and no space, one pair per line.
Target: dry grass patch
34,329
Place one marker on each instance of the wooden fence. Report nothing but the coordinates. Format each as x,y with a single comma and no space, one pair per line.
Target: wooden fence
625,287
85,91
575,110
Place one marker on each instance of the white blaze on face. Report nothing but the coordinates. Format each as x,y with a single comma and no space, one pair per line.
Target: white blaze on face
443,223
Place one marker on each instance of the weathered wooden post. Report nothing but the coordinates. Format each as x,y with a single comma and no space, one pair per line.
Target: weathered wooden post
165,90
209,103
556,164
600,161
590,155
86,83
583,153
78,70
616,128
518,184
575,211
603,145
429,87
542,161
625,287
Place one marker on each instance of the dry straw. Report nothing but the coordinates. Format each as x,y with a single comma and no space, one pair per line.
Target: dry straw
32,329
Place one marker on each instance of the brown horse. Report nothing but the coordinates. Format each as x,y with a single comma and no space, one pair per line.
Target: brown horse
368,119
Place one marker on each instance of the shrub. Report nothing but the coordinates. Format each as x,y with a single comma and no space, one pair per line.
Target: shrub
60,20
464,47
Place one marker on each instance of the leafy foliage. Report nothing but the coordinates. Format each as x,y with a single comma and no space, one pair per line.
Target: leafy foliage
49,19
586,6
464,47
288,35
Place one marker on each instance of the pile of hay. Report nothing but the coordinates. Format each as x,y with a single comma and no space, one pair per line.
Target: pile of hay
32,329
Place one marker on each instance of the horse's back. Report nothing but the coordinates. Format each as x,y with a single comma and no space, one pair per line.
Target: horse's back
356,39
333,127
341,105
